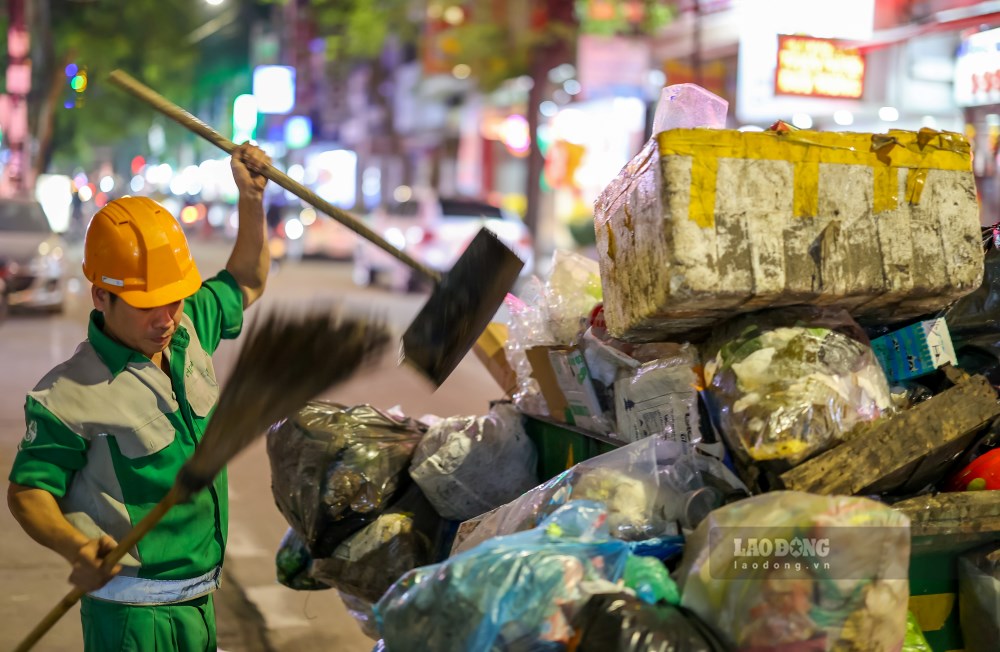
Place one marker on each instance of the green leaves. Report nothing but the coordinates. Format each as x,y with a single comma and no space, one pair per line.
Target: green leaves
148,38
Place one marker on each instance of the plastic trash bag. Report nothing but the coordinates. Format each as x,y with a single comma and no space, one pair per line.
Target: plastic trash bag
506,593
651,489
619,622
660,397
979,598
528,327
974,324
573,289
978,313
790,571
550,313
361,611
294,564
784,385
400,539
688,106
915,641
648,577
466,466
334,469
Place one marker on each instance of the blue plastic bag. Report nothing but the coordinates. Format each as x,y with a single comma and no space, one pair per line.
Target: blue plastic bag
511,589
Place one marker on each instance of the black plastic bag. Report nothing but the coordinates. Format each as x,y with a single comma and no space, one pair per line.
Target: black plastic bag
619,622
294,564
335,469
974,324
400,539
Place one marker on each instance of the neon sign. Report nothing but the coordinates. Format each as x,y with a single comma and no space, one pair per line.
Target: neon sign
814,67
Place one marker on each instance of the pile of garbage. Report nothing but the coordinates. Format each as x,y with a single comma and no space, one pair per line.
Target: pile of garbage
798,404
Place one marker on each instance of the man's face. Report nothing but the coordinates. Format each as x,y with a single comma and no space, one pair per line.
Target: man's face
146,330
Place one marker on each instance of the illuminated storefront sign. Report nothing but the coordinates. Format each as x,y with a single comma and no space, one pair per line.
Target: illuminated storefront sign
814,67
977,70
762,22
274,89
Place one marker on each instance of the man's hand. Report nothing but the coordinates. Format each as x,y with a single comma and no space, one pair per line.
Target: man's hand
88,574
247,162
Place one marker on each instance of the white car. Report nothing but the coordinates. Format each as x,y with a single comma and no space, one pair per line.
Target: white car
32,257
307,233
434,231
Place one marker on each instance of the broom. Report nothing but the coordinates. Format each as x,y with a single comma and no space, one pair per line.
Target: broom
285,361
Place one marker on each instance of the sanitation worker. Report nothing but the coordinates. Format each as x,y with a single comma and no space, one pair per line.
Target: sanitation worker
108,430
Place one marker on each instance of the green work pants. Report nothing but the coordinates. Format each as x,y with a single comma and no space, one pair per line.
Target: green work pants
184,627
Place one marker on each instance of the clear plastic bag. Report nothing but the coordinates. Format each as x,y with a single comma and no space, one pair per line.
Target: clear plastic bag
618,622
550,313
528,328
979,598
466,466
573,289
400,539
335,469
646,497
795,571
786,384
293,564
688,106
509,592
362,613
661,398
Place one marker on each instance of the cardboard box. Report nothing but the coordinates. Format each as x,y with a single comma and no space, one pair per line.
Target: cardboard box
490,349
916,350
565,382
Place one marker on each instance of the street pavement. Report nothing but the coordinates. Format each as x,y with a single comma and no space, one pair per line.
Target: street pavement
255,613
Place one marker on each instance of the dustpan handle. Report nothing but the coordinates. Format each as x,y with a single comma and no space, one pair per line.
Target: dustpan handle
142,92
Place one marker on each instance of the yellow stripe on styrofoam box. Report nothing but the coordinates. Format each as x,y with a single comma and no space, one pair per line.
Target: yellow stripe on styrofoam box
916,152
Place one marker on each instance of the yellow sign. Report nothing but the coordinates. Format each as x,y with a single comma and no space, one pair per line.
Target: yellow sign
815,67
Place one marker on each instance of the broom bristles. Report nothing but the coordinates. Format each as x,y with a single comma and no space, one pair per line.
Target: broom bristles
286,360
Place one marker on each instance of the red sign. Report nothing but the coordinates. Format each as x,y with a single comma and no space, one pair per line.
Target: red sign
814,67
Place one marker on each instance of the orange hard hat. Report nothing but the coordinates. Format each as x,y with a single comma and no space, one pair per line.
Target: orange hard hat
136,249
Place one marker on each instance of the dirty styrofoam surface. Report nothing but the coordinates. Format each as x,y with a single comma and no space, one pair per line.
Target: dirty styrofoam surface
687,240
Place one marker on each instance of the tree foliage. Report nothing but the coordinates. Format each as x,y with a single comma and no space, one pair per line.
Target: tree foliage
495,38
147,38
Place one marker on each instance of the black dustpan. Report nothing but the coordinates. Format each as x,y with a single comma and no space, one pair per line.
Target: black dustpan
461,306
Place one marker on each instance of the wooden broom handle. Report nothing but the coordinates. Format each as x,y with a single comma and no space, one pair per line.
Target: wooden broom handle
175,495
142,92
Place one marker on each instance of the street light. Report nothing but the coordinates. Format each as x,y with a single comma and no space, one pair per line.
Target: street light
214,3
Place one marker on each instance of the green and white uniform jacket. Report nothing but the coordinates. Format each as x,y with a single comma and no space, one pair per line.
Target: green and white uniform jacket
107,432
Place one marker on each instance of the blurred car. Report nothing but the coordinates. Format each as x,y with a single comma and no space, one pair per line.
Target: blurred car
32,257
435,231
307,233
